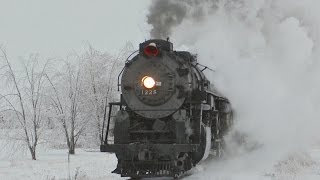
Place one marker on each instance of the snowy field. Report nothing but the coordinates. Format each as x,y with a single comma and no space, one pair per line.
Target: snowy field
53,164
94,165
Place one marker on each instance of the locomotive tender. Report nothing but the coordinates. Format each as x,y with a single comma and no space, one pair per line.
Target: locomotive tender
169,118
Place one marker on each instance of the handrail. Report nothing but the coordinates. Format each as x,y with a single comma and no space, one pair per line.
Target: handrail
127,60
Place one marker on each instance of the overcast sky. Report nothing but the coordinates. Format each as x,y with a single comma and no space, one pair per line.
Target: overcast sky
56,27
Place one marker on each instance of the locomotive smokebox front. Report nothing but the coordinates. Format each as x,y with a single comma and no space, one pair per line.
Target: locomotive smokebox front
152,83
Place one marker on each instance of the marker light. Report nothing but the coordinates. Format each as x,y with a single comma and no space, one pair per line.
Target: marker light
148,82
151,50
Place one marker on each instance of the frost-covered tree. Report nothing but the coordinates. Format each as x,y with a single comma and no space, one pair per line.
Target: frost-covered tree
101,84
73,95
24,98
67,103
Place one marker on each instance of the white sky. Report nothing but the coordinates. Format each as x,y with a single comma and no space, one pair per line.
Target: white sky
56,27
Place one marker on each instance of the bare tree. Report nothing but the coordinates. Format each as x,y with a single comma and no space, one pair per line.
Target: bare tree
26,98
66,102
80,93
102,71
100,86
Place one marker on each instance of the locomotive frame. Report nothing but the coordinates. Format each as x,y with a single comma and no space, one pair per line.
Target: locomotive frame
154,142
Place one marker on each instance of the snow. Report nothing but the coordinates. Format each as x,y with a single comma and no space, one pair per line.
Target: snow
296,166
95,165
53,164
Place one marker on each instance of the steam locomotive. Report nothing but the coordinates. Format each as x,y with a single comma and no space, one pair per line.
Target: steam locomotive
169,118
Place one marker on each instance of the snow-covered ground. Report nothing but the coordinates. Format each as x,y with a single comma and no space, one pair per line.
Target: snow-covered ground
296,166
94,165
53,164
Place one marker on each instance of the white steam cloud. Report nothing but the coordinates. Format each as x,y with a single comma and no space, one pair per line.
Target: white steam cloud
266,54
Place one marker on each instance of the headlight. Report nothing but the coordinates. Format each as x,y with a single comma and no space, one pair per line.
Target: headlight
148,82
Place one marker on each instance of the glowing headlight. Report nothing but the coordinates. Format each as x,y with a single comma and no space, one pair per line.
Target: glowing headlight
148,82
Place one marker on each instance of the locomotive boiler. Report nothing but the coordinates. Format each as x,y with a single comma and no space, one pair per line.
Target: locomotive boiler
169,117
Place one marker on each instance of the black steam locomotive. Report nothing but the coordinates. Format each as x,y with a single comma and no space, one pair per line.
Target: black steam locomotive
170,117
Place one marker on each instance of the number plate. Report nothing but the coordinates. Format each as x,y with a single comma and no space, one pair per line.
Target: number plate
147,92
